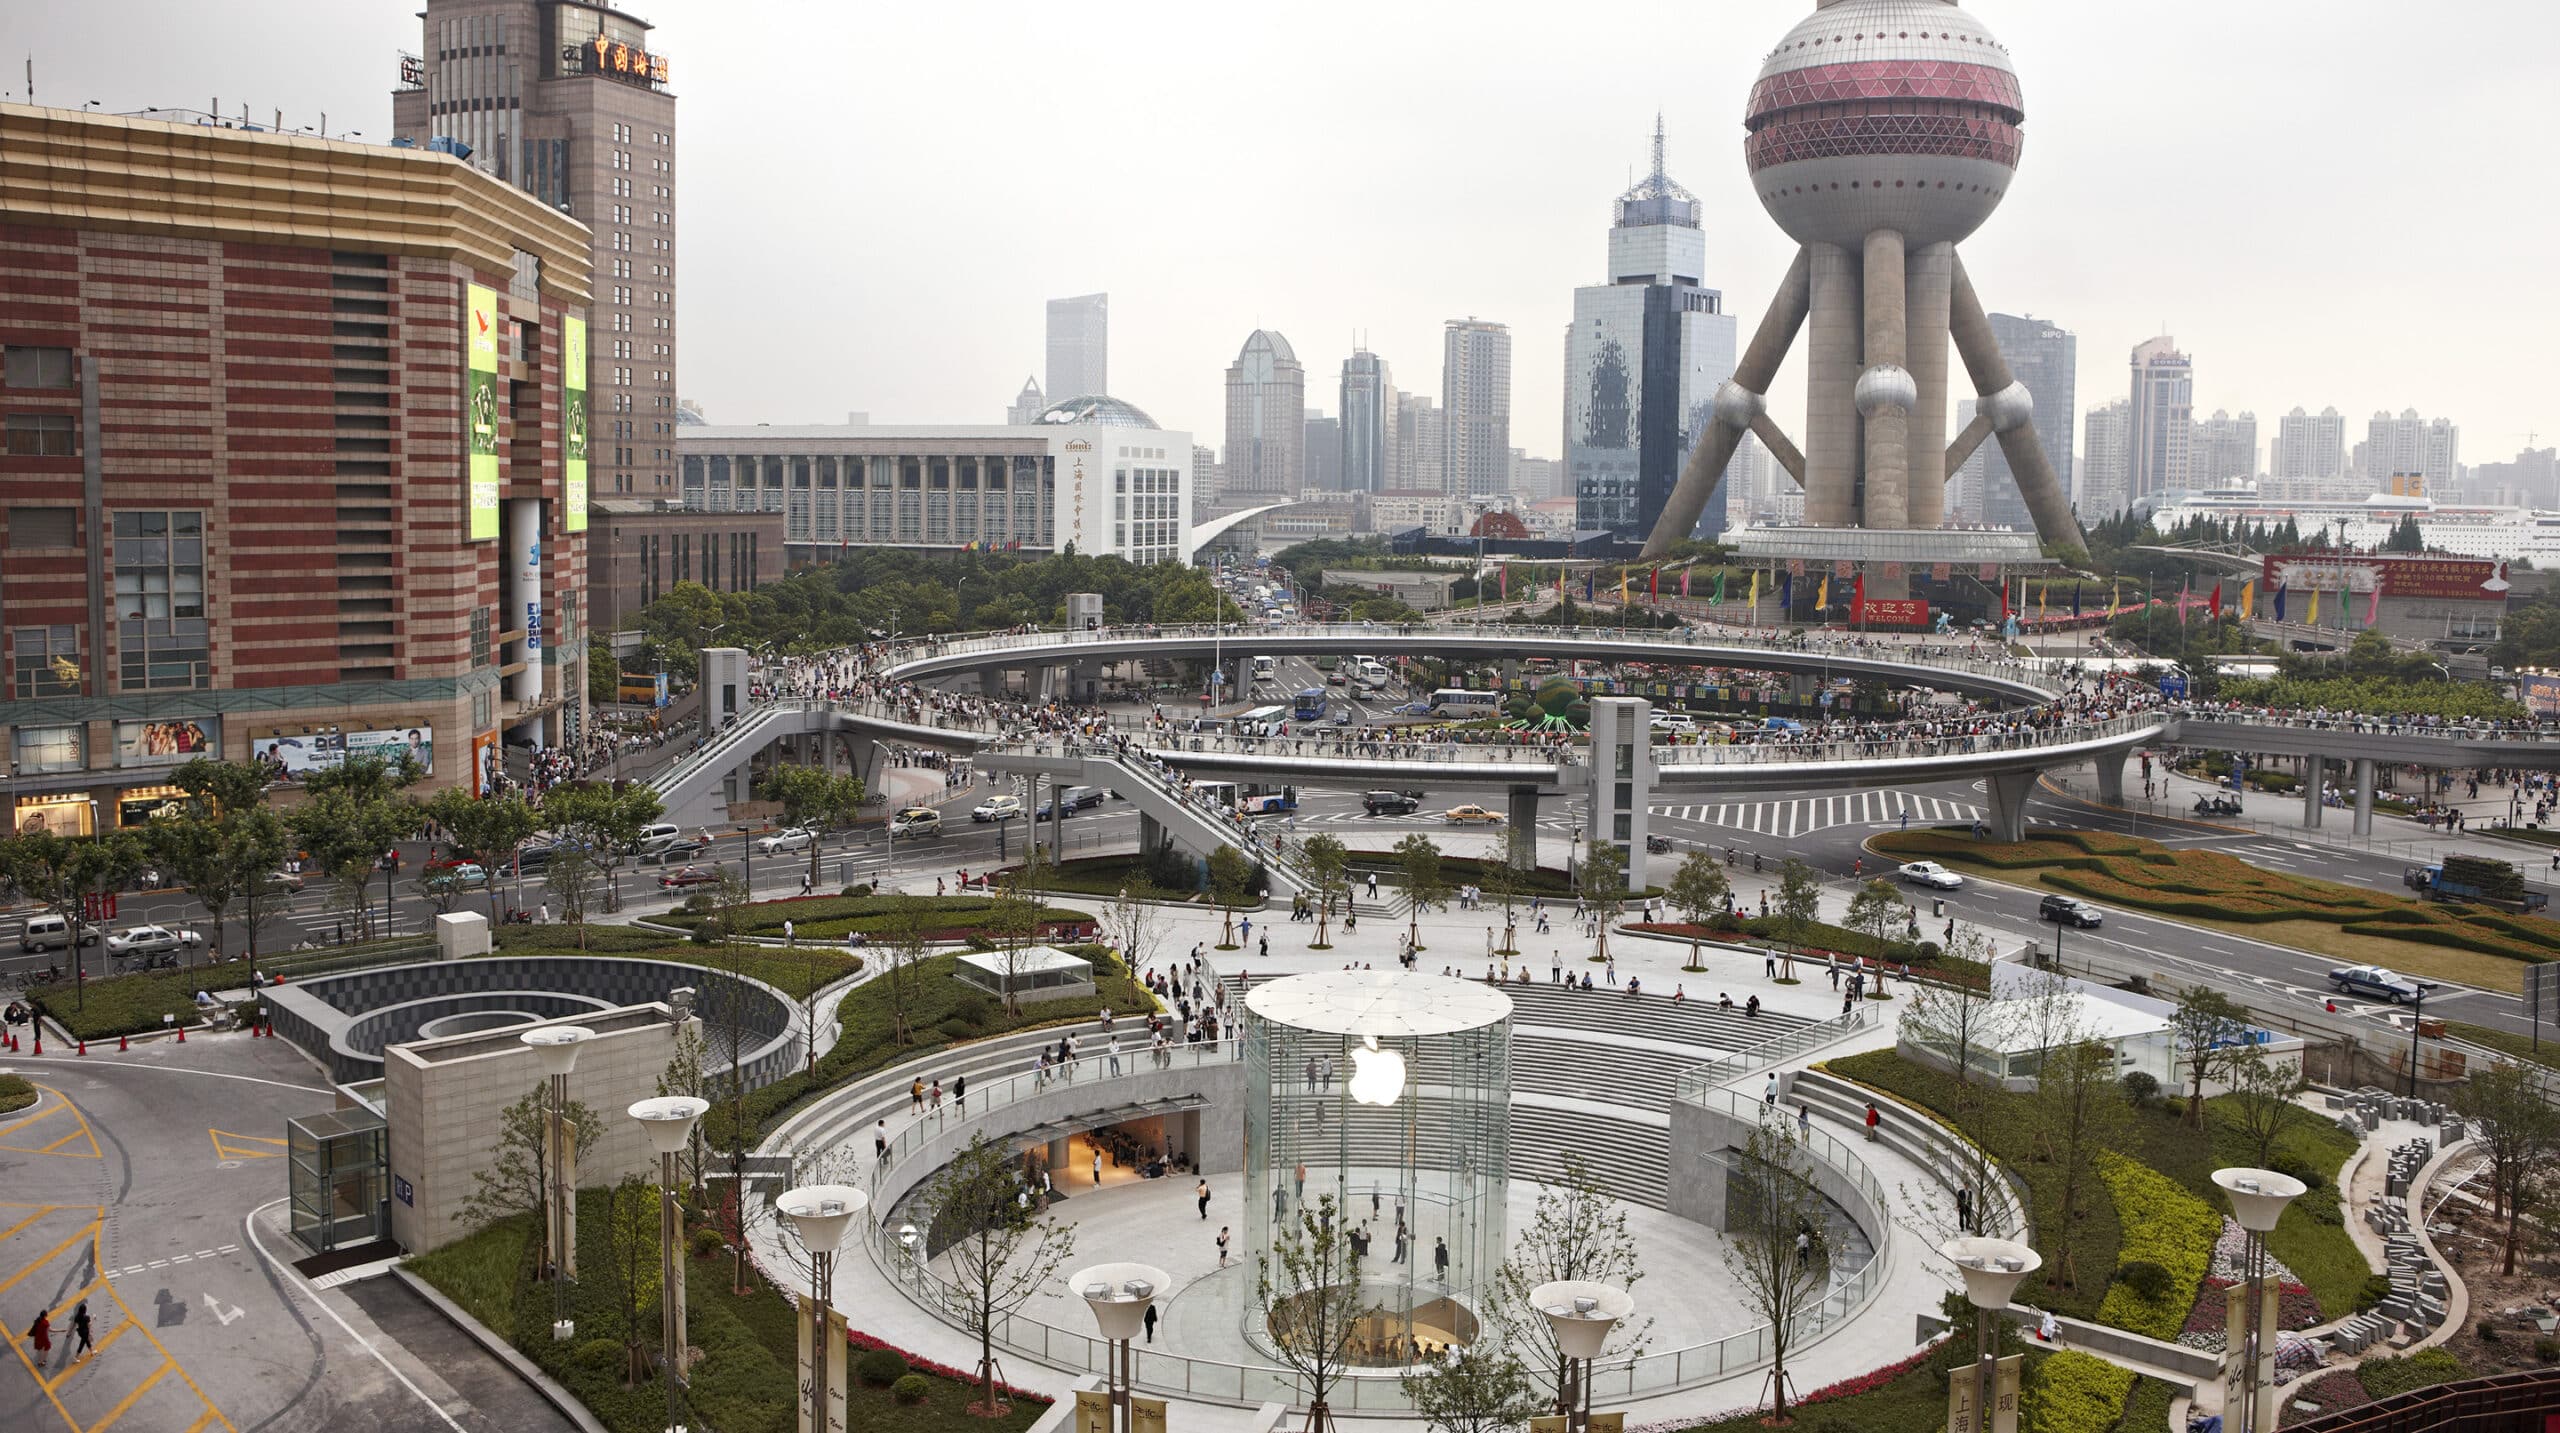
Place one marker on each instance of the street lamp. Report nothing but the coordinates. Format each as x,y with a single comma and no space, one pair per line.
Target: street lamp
669,1120
2258,1198
1992,1270
819,1214
1120,1296
1581,1314
555,1049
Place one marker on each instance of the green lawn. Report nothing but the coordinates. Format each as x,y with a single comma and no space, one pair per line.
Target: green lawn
834,917
941,1012
15,1094
2522,1047
745,1381
2312,1239
793,972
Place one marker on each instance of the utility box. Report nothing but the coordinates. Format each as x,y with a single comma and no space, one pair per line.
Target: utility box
461,935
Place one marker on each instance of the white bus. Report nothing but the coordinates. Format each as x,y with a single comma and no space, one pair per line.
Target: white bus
1373,671
1265,668
1261,721
1458,704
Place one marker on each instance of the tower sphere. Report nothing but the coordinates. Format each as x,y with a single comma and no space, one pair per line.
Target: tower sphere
1884,114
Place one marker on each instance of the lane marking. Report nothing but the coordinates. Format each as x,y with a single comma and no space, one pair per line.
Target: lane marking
250,1224
227,1145
139,1389
101,1287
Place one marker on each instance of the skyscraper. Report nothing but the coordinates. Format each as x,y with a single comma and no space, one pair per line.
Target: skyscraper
1422,432
1322,453
2104,457
2162,424
1475,405
2224,449
1079,347
570,104
2308,448
1368,424
1266,422
1643,357
1964,486
1028,405
2046,358
2411,444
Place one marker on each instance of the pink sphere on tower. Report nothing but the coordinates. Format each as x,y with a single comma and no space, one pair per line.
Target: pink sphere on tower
1884,114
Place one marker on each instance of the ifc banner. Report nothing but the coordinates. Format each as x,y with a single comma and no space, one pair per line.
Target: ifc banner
573,423
480,407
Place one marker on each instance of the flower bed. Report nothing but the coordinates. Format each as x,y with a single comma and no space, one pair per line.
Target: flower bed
2164,1225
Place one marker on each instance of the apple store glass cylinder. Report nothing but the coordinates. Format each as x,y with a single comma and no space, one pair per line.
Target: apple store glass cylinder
1393,1093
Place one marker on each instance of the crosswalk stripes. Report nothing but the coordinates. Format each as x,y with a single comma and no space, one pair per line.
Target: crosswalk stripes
1805,814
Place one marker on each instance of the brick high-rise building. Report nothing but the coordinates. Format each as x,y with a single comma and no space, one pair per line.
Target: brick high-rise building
292,460
570,103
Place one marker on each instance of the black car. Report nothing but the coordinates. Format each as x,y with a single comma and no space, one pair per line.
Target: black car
2063,910
1391,803
1078,798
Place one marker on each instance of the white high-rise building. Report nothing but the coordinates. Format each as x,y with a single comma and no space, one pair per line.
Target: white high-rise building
1966,490
2309,448
1475,406
1421,441
2104,454
2161,424
1643,358
2046,358
2411,444
2224,449
1079,347
1368,424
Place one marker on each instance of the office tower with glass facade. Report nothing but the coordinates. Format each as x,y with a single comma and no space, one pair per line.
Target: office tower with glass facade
2046,358
1643,358
1369,424
1079,347
2161,424
1475,407
1266,422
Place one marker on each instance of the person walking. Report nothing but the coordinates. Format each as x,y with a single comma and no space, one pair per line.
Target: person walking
1804,1121
1555,967
880,1142
1097,1166
1769,1096
1151,1323
1769,964
40,1336
1222,1253
960,1092
80,1329
1302,1181
1373,884
1874,1119
1203,1193
1400,1238
790,935
1440,1259
1964,1210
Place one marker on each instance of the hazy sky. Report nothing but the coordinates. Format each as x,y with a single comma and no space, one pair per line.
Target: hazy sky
2325,202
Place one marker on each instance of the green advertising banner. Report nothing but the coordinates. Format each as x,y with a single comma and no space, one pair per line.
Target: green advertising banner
480,403
573,423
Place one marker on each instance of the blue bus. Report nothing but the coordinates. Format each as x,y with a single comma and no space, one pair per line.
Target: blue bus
1311,704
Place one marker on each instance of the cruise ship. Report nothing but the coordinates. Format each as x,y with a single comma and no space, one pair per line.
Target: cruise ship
2507,533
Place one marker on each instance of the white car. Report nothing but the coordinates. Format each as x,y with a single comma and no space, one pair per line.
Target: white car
1930,873
795,838
916,821
150,940
997,808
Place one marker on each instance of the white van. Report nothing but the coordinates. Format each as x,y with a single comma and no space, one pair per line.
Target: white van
52,932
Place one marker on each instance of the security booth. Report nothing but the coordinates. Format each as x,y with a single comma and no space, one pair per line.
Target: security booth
338,1178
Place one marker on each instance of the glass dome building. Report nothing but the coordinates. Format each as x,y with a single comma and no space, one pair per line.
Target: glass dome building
1098,410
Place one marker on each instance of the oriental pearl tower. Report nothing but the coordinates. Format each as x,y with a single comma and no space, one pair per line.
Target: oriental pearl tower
1881,134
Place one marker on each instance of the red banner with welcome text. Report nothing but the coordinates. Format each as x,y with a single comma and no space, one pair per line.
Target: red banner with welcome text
1897,612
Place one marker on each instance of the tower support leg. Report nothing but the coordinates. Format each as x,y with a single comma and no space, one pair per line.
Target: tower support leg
2012,418
1885,394
1833,350
1930,285
1747,394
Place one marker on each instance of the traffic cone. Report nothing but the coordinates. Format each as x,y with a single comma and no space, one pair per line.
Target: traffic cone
84,1048
39,1039
182,1034
123,1043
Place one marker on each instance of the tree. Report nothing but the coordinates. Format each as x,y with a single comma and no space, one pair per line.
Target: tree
1418,856
631,1268
355,813
1229,874
63,873
1577,1231
518,1180
1506,883
223,788
906,941
1604,889
487,829
2265,1092
1328,864
726,1009
2080,1115
1014,918
1307,1293
1136,924
593,826
1876,910
685,1075
2208,1029
2520,1131
1797,906
1699,891
813,797
1001,1254
1771,1205
1479,1388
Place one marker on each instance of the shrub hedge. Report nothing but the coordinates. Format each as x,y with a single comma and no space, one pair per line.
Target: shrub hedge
2074,1392
2166,1229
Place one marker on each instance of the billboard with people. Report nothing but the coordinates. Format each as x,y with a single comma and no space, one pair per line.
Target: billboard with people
294,755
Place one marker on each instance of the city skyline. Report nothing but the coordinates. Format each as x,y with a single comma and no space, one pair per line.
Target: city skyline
953,314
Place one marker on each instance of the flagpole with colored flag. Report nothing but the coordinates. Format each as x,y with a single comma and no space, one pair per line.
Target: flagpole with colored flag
2248,599
2214,605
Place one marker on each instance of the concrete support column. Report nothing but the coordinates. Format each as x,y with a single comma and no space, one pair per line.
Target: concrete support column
1150,835
2009,791
1832,352
1930,282
2364,796
2111,779
1885,394
1523,828
2313,770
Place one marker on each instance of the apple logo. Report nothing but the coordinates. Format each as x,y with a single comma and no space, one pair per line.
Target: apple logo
1377,1076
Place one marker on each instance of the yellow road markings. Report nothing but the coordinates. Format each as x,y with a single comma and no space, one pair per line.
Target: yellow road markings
139,1389
227,1145
120,1320
12,1140
87,1232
